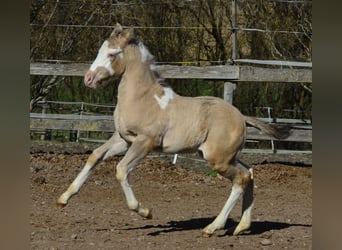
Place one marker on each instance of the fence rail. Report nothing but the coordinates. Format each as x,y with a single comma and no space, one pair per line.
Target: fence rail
301,132
220,72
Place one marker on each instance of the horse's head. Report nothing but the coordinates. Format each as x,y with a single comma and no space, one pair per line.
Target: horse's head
109,61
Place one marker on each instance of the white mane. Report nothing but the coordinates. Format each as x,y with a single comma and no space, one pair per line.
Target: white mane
145,53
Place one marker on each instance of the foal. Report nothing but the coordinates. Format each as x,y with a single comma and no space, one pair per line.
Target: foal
150,116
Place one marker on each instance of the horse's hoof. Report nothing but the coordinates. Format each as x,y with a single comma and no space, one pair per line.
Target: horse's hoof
149,215
60,205
238,231
206,234
145,212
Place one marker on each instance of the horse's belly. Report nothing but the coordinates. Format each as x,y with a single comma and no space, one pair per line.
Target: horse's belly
182,142
174,148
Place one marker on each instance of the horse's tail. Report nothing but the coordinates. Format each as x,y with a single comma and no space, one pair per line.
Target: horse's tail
277,131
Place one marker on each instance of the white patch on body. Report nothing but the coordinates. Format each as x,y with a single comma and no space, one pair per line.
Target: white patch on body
102,59
145,54
165,99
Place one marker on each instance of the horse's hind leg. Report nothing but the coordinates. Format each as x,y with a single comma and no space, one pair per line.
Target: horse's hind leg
114,146
242,184
247,204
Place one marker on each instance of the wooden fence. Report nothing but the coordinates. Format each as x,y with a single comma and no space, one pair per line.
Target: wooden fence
220,72
230,73
301,132
301,129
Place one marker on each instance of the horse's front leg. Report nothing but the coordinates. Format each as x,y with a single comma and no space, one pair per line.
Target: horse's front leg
140,147
114,146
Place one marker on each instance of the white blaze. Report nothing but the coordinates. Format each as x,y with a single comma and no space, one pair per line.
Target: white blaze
165,99
102,59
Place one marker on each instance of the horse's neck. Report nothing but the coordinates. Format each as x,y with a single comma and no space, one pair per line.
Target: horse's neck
137,82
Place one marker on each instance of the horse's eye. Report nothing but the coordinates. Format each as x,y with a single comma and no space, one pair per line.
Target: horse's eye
111,56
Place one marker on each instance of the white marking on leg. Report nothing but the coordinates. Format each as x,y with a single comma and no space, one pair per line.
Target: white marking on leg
121,175
233,198
251,171
136,152
132,202
130,197
165,99
82,177
203,150
245,221
221,219
145,54
76,184
247,205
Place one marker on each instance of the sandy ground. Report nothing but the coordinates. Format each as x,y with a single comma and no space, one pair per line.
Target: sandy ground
183,201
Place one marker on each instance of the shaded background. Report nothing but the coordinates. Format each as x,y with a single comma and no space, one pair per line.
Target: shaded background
197,32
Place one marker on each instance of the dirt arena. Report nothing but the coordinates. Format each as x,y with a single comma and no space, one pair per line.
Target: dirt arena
183,201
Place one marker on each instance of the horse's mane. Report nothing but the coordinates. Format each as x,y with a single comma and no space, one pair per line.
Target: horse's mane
151,62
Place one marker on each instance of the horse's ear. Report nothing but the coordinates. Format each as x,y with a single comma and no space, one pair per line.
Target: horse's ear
117,30
128,34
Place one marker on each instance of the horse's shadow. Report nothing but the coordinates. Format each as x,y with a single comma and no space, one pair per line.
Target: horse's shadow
257,227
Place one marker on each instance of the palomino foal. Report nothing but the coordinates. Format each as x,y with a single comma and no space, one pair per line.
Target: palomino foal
150,116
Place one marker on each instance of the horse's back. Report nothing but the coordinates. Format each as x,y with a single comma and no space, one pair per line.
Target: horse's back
220,112
193,120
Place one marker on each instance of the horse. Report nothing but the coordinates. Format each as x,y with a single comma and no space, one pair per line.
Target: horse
150,116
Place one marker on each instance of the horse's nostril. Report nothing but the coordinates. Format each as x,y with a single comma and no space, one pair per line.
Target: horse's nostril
88,78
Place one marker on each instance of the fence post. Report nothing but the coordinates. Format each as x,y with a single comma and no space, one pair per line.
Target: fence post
228,92
269,121
81,115
233,29
42,137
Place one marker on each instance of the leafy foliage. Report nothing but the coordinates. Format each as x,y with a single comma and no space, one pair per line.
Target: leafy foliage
211,173
180,32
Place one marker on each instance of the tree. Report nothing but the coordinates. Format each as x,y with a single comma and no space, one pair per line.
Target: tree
183,32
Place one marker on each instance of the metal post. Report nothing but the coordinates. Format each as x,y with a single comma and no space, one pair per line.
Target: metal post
234,35
81,115
270,120
42,137
228,86
174,159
